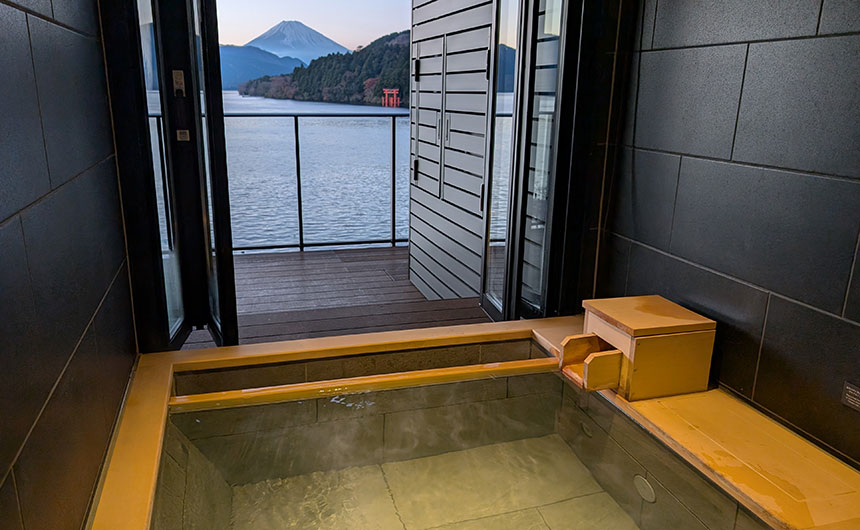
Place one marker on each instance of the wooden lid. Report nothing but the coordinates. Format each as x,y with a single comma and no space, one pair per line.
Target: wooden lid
640,316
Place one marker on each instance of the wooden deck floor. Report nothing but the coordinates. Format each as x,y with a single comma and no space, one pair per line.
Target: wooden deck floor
282,296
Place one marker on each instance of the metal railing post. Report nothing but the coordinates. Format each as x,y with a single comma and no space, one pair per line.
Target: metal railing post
393,181
299,183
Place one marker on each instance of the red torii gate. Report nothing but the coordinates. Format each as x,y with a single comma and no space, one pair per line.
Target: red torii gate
390,97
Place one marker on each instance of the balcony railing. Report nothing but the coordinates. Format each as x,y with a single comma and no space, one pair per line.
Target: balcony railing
299,207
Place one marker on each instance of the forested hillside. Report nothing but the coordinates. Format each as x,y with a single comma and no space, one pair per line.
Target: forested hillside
356,77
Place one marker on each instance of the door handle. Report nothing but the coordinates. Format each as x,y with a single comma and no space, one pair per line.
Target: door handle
438,127
447,129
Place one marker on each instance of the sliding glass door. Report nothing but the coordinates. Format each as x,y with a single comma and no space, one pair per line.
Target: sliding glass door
523,151
501,148
539,155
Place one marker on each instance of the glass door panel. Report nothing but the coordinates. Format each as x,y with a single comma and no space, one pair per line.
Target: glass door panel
162,182
541,103
502,142
216,223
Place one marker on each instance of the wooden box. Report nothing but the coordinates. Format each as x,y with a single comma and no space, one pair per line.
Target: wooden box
666,349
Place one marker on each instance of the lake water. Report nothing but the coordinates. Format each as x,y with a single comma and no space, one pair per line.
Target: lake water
345,172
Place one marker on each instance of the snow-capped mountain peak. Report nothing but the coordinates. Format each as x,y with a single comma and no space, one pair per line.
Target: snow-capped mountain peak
295,39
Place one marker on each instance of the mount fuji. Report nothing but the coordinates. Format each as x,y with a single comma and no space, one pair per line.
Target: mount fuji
294,39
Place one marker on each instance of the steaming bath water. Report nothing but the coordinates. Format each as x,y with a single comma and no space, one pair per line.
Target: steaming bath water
486,454
536,483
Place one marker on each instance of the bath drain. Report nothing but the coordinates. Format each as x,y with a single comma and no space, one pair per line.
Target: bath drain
646,491
586,429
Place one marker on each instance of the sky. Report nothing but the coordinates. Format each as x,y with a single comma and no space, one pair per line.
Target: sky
351,23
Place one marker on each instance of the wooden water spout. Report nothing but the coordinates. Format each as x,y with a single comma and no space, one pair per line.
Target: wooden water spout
641,346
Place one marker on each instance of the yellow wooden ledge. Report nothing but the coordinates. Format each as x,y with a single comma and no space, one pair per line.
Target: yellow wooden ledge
784,479
367,383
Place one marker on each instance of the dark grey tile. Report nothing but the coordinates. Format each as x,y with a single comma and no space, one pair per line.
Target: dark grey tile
790,232
629,111
23,166
839,16
10,516
169,495
208,497
390,362
289,451
688,99
852,306
79,14
696,23
114,331
203,381
432,431
667,512
747,521
614,258
805,360
75,247
649,12
240,420
612,466
371,403
585,280
738,309
496,352
24,381
523,385
699,495
644,196
800,106
58,468
39,6
73,98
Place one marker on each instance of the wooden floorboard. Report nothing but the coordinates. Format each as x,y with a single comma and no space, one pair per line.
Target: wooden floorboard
294,295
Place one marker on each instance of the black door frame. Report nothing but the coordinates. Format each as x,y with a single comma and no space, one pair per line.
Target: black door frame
174,38
124,66
226,330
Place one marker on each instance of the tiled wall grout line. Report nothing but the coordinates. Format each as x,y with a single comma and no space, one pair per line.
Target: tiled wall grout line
675,203
612,90
65,367
820,12
760,346
733,278
654,24
38,99
851,277
54,190
741,163
118,179
740,100
751,41
627,268
17,496
26,258
49,19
